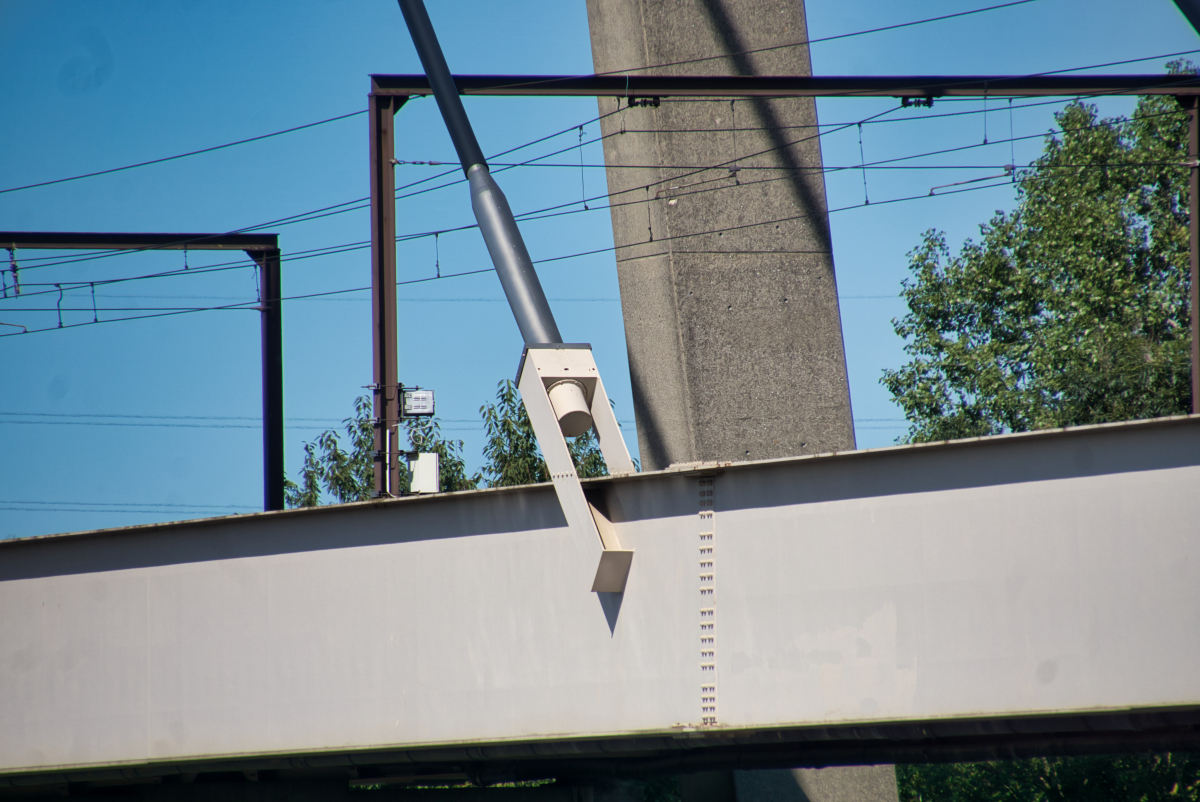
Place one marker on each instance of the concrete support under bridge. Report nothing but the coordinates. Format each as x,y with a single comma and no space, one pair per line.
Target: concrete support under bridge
1025,594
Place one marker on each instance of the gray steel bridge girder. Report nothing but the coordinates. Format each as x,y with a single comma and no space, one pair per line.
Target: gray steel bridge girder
1002,596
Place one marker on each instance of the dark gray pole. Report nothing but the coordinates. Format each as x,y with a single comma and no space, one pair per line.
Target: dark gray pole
496,221
272,378
383,291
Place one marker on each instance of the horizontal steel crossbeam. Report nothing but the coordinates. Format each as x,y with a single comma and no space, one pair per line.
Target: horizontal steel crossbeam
918,86
138,242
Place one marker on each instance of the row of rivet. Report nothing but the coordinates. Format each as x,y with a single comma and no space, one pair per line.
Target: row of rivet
708,651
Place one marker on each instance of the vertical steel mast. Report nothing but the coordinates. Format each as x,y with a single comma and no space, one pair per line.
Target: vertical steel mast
495,218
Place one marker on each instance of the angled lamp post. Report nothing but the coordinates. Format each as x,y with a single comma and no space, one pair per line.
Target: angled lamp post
559,382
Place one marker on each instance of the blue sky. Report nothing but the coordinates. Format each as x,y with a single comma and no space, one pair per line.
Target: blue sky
134,422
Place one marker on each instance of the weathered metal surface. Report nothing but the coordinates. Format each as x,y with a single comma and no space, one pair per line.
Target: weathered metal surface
643,86
140,241
271,306
385,390
1028,589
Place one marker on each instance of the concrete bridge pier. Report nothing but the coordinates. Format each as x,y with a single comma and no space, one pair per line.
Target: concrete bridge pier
733,327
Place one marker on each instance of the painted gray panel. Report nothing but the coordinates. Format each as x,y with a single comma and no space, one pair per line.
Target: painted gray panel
1019,597
994,578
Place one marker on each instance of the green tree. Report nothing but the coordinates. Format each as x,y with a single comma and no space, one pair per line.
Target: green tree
1072,309
344,475
511,452
349,474
1125,778
425,434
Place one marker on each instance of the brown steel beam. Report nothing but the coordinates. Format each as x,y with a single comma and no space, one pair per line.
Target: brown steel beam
272,377
1184,87
383,110
72,240
921,86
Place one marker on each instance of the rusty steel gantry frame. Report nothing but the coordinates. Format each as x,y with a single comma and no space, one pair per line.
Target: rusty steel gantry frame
390,92
264,250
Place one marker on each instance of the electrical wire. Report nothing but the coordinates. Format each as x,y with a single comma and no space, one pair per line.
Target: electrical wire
539,214
154,417
349,205
542,213
146,425
325,211
185,155
548,260
355,246
124,507
356,204
866,165
802,43
76,503
364,111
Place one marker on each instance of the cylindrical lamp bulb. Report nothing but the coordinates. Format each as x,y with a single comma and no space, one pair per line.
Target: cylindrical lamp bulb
570,407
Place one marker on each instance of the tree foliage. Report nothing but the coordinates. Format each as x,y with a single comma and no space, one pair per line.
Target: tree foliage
344,475
349,475
511,454
1072,309
1124,778
425,434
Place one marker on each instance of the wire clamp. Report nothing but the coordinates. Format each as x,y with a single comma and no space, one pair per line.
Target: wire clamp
645,102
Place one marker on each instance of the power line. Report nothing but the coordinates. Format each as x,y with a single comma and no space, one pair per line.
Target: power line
541,213
802,43
76,503
870,165
184,155
326,211
364,111
210,511
531,215
350,205
1110,93
152,417
144,425
918,118
489,270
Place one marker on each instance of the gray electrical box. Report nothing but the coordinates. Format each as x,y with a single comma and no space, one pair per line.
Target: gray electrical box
416,403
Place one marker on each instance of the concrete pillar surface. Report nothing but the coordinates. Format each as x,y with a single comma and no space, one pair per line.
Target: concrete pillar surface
725,267
726,275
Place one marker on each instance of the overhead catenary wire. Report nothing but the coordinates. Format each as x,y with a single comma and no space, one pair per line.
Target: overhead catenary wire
346,206
184,155
533,215
801,43
351,205
489,270
355,246
326,211
364,111
77,503
216,510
